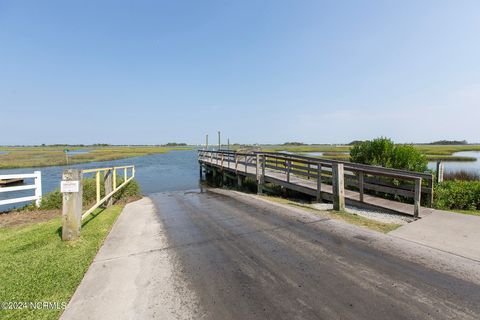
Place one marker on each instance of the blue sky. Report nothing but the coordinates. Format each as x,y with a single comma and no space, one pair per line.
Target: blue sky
133,72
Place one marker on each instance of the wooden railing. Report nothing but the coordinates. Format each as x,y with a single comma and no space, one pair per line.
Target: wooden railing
110,181
72,190
36,186
366,179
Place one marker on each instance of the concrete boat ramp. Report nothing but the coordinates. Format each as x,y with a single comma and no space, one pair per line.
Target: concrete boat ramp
226,255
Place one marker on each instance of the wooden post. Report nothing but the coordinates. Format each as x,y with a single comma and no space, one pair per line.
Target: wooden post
440,171
257,167
308,171
418,195
361,178
114,178
72,206
97,185
38,188
289,163
239,181
206,142
338,187
319,182
236,162
261,175
108,181
219,141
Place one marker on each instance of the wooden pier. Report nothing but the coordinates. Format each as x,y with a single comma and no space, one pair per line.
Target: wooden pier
339,182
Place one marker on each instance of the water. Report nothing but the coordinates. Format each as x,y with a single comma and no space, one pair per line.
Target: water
75,152
471,166
3,152
172,171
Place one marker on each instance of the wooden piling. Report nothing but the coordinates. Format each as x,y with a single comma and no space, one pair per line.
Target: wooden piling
72,206
338,187
440,171
108,182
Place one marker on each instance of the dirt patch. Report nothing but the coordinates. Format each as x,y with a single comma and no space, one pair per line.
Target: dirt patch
24,217
19,218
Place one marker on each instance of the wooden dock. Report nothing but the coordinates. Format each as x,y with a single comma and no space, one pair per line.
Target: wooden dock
340,182
9,182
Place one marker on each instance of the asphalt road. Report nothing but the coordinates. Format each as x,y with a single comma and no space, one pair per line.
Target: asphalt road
247,261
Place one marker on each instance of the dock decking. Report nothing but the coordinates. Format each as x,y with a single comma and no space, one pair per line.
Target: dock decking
314,177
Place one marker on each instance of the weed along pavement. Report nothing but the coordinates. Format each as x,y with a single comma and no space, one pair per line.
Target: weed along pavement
209,254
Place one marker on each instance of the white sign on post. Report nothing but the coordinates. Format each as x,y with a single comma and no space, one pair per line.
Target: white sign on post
69,186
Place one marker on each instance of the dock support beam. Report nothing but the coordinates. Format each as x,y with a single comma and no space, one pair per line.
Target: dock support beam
239,181
338,187
319,182
72,206
361,183
260,173
417,199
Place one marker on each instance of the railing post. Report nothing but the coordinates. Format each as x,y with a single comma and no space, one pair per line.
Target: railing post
361,178
124,174
257,167
319,182
38,188
440,171
221,157
260,175
97,185
72,206
338,187
114,176
418,195
236,162
108,181
289,163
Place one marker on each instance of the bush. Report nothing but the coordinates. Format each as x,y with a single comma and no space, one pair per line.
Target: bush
456,194
53,200
383,152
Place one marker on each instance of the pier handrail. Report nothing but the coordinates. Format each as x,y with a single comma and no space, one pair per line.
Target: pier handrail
361,177
115,188
73,195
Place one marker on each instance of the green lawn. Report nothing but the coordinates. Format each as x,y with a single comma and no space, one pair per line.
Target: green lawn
37,266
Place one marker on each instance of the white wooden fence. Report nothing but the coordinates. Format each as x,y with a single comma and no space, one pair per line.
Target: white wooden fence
37,186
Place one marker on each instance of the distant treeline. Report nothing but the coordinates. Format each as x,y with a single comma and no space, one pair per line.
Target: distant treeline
449,142
169,144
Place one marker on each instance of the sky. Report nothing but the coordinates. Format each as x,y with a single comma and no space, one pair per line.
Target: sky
151,72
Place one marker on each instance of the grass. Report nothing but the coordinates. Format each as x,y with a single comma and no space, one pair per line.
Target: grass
27,157
341,215
334,152
37,266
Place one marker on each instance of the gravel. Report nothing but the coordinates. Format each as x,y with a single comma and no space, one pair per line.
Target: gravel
377,215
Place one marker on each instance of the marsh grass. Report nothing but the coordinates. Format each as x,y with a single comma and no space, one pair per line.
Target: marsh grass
28,157
433,152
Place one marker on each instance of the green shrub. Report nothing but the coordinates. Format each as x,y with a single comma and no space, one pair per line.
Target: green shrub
383,152
456,194
53,200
